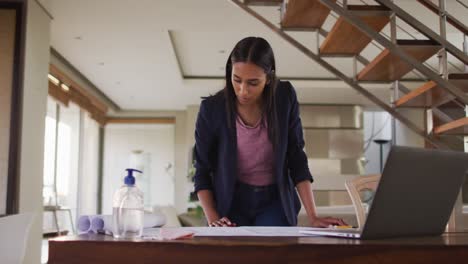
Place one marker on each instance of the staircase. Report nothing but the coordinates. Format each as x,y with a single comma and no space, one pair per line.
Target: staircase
443,95
363,24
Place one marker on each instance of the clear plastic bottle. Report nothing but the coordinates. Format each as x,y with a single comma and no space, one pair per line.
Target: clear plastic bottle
128,209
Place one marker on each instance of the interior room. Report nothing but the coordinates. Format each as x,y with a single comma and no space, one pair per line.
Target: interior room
89,89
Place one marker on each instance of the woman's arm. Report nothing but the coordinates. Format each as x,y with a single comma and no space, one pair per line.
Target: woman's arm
307,198
208,205
299,169
204,147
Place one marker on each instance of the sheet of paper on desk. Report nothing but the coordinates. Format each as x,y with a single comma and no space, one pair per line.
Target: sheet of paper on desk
255,231
166,233
244,231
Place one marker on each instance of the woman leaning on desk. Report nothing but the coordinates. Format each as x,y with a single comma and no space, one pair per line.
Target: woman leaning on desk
249,147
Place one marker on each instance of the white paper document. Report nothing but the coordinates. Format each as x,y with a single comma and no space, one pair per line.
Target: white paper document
244,231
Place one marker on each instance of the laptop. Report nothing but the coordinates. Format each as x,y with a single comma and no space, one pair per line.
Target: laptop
415,196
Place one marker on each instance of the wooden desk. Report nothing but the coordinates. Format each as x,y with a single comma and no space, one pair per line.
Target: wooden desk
447,249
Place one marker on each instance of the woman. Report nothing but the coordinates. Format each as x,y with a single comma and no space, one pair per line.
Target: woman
249,147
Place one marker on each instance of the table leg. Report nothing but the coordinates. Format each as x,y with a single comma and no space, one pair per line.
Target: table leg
56,221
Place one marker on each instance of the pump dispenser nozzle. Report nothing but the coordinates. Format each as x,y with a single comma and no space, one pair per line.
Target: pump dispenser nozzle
130,179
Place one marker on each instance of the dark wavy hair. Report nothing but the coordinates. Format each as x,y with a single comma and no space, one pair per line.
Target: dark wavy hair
258,51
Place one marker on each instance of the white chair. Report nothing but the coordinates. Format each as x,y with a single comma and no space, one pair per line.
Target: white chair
54,209
170,213
14,232
355,187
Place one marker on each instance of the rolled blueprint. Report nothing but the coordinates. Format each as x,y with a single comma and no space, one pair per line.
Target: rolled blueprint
103,223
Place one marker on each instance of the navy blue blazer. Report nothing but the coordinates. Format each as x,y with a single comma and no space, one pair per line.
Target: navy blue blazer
216,152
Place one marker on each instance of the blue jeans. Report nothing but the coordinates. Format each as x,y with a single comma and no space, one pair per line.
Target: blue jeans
257,206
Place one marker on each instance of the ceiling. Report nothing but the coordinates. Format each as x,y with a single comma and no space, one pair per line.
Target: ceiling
166,54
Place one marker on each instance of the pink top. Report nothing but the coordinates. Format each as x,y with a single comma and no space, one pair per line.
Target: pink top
254,154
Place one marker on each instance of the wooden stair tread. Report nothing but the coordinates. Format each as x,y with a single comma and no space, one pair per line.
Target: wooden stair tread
456,127
304,14
430,93
346,39
263,2
461,78
367,8
420,97
390,67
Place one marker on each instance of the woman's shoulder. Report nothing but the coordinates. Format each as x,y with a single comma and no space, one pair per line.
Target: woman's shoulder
213,101
213,98
285,90
212,106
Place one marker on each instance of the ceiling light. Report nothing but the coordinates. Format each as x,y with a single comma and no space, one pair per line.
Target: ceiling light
65,87
53,79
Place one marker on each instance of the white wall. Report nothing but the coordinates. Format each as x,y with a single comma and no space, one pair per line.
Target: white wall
377,125
156,141
33,125
404,135
181,162
192,113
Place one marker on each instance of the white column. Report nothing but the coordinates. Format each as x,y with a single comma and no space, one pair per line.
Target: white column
35,90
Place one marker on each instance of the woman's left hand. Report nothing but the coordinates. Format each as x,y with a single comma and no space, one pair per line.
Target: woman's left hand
326,222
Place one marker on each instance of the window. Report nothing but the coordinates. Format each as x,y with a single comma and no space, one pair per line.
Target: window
48,191
70,163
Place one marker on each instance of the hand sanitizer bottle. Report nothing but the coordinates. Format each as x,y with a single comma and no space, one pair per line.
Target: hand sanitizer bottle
128,208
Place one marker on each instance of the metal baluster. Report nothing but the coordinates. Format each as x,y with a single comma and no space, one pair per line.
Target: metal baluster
394,96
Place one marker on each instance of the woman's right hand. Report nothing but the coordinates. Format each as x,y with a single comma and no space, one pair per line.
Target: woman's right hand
222,222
